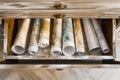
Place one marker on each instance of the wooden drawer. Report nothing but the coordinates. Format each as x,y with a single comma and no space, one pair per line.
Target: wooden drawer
107,27
105,10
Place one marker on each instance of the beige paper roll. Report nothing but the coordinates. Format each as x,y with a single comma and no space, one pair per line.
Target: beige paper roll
80,49
33,46
44,33
9,29
91,37
20,40
57,37
100,36
68,38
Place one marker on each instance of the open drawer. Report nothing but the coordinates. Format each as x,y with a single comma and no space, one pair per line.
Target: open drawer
108,28
13,12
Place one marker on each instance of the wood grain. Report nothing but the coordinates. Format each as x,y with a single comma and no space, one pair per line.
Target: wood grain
75,8
66,74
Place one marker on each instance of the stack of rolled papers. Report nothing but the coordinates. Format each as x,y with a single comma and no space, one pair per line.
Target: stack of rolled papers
20,41
68,38
79,42
91,37
57,37
44,33
100,36
33,45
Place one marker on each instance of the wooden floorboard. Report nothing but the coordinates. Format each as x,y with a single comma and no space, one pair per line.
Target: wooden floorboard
65,74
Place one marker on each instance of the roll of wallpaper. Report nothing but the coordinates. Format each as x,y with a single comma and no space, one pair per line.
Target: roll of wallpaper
44,33
80,49
100,36
91,37
57,37
68,38
21,37
33,45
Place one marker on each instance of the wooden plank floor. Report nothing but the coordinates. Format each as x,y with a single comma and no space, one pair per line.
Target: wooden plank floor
66,74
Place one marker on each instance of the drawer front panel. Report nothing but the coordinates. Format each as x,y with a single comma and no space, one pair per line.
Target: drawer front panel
76,8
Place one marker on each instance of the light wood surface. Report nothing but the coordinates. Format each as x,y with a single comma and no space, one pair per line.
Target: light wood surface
66,74
75,8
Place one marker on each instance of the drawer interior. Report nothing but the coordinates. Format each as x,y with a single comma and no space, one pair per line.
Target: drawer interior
106,25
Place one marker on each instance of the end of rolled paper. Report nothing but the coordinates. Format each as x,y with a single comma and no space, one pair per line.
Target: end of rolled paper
80,51
43,43
106,50
69,51
56,51
95,50
33,50
18,49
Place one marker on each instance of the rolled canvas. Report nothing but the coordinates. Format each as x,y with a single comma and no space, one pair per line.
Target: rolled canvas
21,37
57,37
44,33
33,45
100,36
79,42
92,41
68,38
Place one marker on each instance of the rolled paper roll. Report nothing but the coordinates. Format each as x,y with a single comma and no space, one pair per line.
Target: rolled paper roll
91,37
33,45
68,38
44,33
100,36
57,37
21,37
80,49
8,34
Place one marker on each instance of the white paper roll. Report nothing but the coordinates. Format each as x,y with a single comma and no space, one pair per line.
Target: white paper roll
79,43
33,46
100,36
57,37
21,37
44,33
68,38
91,37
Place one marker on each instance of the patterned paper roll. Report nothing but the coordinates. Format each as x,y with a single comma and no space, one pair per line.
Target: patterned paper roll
78,37
20,40
33,46
57,37
68,38
44,33
91,37
100,35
